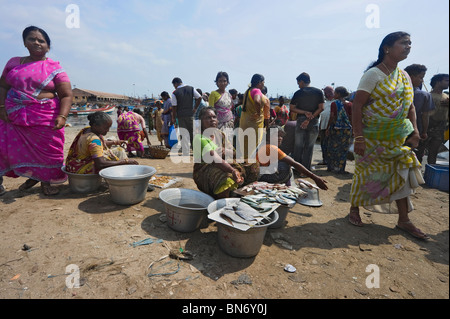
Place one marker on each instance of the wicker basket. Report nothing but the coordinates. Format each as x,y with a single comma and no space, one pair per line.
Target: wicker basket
158,151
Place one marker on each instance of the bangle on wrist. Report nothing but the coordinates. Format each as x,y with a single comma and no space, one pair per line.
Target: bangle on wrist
63,116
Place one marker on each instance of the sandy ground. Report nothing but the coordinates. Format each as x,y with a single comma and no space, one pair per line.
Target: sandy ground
43,239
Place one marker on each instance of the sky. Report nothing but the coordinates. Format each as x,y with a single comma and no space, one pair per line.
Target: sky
136,47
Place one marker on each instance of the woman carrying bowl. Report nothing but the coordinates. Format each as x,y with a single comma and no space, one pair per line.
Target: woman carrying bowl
216,172
90,152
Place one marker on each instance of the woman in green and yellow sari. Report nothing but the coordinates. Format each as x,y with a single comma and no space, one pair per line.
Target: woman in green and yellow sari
252,119
215,170
384,126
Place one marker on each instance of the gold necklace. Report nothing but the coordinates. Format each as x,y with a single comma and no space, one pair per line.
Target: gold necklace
389,72
31,60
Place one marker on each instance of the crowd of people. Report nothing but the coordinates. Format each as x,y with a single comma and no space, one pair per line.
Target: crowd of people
390,122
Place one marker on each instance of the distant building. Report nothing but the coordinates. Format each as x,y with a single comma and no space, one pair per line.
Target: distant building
82,96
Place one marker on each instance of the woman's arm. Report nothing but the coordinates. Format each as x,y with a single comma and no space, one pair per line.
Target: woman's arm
110,143
361,99
333,116
226,167
4,88
101,163
259,104
64,91
414,138
303,170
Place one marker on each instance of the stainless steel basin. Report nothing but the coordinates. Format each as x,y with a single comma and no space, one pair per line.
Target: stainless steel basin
128,183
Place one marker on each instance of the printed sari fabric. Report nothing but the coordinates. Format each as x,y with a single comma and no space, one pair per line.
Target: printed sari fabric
84,149
158,124
212,180
388,170
340,135
29,146
223,104
128,129
250,121
282,114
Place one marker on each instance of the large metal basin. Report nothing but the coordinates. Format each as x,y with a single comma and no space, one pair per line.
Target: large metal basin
185,208
128,183
83,183
238,243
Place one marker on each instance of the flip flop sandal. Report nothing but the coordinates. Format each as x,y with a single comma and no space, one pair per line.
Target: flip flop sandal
355,220
28,184
2,190
49,190
415,232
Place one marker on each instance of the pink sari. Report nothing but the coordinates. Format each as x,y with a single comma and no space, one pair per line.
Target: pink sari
29,146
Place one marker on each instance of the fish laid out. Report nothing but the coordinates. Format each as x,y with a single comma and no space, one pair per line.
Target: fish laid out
266,192
240,215
255,208
244,213
305,184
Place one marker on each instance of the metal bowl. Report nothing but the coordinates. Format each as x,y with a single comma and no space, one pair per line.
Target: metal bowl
311,199
185,208
282,211
83,183
238,243
128,183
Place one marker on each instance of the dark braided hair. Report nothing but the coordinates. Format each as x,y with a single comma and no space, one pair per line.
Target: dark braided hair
98,118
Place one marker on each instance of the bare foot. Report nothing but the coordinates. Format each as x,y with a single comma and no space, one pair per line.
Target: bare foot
354,218
49,190
28,184
409,227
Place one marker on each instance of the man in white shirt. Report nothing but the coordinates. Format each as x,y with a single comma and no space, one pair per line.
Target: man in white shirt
324,118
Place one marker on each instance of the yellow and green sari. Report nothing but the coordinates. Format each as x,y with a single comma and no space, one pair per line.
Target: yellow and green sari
84,149
389,170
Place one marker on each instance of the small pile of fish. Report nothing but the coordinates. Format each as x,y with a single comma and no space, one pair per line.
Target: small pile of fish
305,184
270,193
243,213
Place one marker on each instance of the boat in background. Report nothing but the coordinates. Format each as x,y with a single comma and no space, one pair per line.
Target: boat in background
87,109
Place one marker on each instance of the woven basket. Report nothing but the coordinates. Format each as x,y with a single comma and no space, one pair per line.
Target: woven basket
158,151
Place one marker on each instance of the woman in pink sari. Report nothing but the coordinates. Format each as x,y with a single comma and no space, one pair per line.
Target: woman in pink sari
128,129
35,99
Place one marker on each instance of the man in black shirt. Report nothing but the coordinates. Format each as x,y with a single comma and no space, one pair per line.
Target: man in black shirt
308,103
